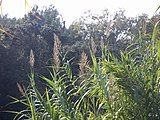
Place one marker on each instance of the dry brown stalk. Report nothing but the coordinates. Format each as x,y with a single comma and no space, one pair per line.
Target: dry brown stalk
20,89
31,60
56,49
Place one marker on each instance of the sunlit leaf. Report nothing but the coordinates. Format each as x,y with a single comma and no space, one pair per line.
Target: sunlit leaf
27,5
158,47
157,9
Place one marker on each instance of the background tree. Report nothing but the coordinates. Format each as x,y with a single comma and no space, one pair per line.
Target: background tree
34,31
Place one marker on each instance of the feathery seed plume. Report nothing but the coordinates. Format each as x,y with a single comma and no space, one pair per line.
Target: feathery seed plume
83,62
93,46
20,89
31,60
102,44
56,49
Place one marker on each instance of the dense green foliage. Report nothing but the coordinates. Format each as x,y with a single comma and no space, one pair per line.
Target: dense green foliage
102,68
126,87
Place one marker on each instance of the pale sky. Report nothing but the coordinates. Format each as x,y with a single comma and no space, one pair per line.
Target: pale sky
74,9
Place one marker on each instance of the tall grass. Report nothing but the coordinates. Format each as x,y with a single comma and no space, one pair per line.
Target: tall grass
109,88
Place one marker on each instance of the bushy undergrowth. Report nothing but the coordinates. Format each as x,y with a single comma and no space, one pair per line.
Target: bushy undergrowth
107,87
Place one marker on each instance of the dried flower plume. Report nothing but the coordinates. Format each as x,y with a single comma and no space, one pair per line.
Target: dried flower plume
56,49
107,32
144,26
83,62
31,59
155,19
93,46
20,89
102,44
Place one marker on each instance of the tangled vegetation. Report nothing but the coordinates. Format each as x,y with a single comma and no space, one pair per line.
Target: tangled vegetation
104,69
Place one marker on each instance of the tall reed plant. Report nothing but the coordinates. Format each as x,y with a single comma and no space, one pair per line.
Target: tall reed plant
107,88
